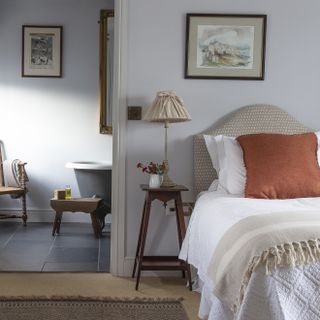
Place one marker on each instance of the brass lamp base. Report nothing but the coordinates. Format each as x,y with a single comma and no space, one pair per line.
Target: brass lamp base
167,182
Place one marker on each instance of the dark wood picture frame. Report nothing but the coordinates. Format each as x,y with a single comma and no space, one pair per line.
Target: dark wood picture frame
225,46
42,51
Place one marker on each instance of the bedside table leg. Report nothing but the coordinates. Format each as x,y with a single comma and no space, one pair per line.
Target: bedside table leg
189,275
139,239
180,219
145,223
181,233
179,209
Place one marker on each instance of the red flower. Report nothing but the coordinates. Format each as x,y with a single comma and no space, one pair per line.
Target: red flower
152,167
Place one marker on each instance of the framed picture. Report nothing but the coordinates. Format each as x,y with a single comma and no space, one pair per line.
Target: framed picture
225,46
42,51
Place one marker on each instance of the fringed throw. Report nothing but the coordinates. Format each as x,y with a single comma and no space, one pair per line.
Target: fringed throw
288,254
268,240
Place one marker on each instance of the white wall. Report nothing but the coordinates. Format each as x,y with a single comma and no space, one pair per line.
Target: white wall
156,62
48,122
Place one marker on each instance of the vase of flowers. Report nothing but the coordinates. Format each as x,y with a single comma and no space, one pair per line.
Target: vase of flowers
155,170
155,180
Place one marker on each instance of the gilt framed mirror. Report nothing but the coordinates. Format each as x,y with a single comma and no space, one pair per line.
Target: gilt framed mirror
106,69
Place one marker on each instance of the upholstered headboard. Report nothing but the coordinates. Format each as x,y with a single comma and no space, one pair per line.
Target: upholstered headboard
257,118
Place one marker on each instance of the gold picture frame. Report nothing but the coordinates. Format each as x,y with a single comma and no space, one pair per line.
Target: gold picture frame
106,69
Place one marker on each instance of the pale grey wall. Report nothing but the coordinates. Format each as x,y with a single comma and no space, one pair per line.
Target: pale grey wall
48,122
156,62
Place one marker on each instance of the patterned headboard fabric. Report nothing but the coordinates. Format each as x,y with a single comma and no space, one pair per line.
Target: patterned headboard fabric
257,118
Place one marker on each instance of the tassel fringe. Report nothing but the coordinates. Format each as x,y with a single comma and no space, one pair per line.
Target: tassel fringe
288,254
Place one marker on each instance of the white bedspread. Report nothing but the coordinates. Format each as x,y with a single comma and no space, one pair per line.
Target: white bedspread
214,213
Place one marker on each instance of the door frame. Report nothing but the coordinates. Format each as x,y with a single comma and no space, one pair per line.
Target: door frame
119,115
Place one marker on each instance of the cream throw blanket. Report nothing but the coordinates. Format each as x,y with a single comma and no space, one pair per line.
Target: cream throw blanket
271,240
14,175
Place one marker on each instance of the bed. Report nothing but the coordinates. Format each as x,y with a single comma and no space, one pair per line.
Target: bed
286,292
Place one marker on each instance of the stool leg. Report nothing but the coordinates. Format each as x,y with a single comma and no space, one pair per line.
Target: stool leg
56,223
59,222
95,224
143,238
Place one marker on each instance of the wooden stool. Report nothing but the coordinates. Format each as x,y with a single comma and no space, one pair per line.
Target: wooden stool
87,205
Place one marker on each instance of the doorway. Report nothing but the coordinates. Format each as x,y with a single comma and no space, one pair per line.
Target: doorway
35,242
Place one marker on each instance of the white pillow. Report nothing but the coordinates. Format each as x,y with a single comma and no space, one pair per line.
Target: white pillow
227,158
214,185
214,152
232,169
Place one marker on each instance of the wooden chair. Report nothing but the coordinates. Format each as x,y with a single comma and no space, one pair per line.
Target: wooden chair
16,191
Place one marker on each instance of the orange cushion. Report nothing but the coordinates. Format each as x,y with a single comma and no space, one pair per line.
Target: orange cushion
281,166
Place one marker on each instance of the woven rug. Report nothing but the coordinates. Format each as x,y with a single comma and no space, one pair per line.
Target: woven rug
79,308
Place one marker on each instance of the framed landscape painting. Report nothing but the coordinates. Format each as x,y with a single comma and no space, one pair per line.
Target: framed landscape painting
225,46
41,51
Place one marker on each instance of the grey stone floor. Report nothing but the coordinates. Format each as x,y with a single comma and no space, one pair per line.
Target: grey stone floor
33,248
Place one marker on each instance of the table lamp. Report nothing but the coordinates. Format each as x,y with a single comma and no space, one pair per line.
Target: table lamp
167,108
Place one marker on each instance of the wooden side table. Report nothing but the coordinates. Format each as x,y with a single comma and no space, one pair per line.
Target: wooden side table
87,205
143,262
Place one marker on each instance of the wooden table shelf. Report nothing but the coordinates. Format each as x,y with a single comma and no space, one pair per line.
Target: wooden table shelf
162,263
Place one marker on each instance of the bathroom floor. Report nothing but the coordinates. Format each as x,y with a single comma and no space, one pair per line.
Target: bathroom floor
34,249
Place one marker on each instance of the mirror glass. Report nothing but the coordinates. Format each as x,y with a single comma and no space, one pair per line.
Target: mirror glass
106,69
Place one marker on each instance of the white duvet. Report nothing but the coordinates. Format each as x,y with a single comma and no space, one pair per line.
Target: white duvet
214,213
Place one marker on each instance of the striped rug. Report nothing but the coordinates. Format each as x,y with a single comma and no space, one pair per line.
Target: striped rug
81,308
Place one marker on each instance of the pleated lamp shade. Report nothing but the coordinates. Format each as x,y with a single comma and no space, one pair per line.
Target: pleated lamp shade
167,107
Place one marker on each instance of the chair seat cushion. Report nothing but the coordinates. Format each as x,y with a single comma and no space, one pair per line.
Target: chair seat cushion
11,190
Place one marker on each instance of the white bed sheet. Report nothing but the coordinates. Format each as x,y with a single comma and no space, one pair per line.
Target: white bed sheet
214,213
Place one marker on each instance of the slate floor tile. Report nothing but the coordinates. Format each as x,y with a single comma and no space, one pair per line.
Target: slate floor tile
33,248
34,231
83,241
23,255
28,247
62,254
6,234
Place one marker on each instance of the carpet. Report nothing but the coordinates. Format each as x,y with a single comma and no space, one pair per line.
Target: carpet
81,308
